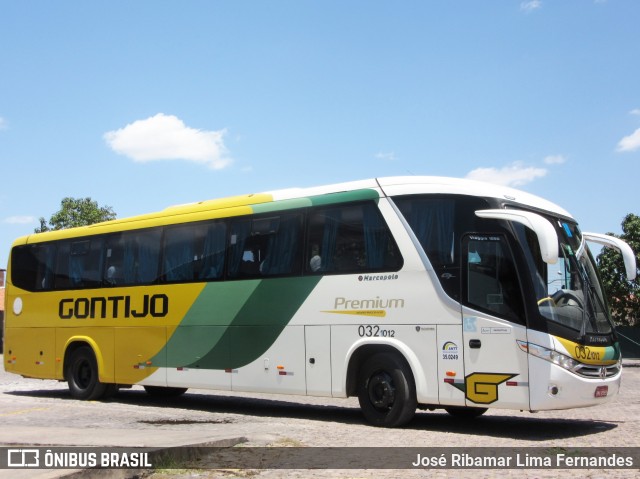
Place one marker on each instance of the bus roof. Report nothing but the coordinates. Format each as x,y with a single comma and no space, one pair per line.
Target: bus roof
403,185
300,197
443,185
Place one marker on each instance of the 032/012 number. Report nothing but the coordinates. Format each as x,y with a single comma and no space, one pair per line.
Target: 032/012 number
374,331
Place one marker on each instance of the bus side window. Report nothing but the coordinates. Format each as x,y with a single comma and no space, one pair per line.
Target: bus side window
45,256
213,251
62,275
194,251
146,256
241,257
79,264
113,271
349,239
179,252
335,239
283,252
265,246
437,222
32,266
132,258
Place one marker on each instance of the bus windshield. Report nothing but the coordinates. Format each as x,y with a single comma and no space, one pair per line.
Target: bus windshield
568,293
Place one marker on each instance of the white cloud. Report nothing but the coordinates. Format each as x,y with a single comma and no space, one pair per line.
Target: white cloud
635,111
386,156
554,160
166,137
530,5
515,174
20,220
630,143
3,123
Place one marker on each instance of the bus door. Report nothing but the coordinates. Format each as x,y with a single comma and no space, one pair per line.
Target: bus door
493,320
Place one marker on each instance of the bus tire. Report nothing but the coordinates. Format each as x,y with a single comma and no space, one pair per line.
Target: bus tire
386,390
466,412
164,392
82,376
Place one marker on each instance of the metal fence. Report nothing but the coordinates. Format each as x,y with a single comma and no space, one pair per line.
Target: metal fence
629,341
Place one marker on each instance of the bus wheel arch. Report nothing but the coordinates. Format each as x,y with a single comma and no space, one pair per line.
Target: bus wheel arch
383,380
81,372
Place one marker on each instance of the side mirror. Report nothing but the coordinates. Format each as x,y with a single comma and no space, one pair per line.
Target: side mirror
544,230
612,242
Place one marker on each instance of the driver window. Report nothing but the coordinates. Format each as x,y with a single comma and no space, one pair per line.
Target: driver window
492,283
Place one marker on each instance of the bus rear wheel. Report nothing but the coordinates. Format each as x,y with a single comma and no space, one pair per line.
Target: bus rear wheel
386,391
82,376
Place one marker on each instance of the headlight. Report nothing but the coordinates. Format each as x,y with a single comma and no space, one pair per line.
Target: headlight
550,355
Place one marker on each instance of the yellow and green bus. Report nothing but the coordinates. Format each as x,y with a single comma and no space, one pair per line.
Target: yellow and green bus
406,292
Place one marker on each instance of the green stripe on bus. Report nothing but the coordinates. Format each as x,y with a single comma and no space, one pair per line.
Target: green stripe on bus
232,324
345,196
320,200
281,205
205,322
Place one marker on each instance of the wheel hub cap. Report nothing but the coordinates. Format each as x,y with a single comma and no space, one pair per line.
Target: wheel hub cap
381,390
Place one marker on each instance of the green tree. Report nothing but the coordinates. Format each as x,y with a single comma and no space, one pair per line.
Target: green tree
76,212
623,295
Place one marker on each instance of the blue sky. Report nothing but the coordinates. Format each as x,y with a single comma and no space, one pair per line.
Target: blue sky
141,105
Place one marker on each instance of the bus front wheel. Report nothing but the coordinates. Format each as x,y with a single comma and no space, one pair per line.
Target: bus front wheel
386,390
82,376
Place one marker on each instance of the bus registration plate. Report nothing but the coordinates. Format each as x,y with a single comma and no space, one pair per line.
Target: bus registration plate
601,391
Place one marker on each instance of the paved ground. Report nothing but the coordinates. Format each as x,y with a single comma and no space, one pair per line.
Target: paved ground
34,412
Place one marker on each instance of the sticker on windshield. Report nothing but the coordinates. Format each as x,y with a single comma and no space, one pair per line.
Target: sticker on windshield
567,229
